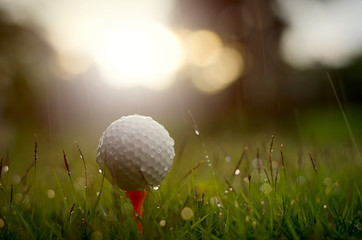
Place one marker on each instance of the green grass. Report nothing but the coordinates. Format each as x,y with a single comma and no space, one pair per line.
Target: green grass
297,203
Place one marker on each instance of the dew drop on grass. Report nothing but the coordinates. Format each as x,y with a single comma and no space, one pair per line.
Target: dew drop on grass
100,171
162,223
227,159
237,172
325,206
156,187
187,213
2,223
5,169
226,192
50,193
197,132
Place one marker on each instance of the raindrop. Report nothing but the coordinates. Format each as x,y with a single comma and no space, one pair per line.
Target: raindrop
156,187
325,206
226,192
207,156
237,172
218,205
197,132
209,164
100,171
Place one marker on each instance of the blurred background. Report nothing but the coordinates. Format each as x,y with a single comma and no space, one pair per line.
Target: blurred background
70,68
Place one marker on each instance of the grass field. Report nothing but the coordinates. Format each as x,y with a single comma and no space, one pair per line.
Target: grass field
261,188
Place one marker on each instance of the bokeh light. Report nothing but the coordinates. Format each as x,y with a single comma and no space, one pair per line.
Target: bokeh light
143,54
203,48
219,74
73,63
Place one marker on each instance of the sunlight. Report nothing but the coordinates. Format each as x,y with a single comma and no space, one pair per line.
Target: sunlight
142,54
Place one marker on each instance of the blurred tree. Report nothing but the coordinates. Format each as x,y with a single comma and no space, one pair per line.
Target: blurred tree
24,57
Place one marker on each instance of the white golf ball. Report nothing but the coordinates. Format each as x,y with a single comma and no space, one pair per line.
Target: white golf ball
137,151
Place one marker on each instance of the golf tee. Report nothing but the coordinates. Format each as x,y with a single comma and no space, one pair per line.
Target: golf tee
137,198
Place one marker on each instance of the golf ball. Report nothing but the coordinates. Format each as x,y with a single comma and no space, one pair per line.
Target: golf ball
137,150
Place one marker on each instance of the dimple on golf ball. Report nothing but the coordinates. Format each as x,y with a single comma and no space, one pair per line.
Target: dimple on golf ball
137,151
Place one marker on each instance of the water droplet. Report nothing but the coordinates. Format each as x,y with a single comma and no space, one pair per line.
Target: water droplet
158,207
187,213
237,172
156,187
218,205
325,206
50,193
209,165
97,193
5,169
197,132
226,191
227,159
262,202
162,223
207,156
2,223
